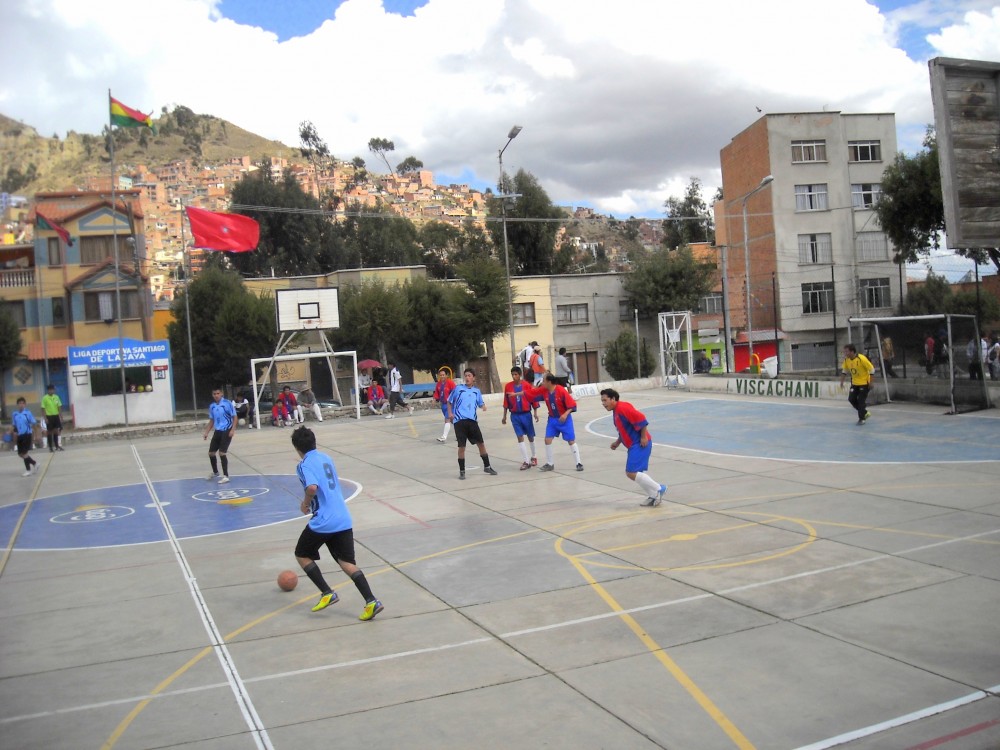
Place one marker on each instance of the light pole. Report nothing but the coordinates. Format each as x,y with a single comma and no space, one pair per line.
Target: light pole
746,260
506,251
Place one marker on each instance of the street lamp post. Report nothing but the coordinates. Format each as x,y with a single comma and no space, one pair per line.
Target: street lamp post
506,250
746,260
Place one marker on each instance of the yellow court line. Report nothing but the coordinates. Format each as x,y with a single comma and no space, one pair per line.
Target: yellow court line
24,514
694,535
727,726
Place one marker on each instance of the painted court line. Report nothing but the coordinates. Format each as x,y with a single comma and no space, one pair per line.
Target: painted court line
900,720
257,729
569,623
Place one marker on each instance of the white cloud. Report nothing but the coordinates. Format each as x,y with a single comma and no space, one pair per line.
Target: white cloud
621,102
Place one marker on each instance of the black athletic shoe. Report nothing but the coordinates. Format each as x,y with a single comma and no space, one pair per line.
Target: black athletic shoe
461,475
490,470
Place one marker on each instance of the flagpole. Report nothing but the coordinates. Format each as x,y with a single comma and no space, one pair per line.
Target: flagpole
114,244
187,311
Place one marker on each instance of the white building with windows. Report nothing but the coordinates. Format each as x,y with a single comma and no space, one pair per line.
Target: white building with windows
817,253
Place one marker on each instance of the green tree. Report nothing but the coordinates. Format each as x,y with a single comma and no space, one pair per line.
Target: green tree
438,241
911,208
10,347
379,238
409,164
688,218
486,306
620,358
531,224
229,325
936,297
437,331
293,241
381,147
667,280
372,318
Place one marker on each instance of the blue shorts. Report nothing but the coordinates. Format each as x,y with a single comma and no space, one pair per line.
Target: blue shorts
444,410
522,423
638,457
555,428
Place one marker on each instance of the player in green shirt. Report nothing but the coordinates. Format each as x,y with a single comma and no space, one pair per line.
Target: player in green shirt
52,405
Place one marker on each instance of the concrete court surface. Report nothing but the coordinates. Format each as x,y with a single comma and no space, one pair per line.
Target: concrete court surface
780,598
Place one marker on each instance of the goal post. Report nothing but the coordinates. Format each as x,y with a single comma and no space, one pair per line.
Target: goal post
931,359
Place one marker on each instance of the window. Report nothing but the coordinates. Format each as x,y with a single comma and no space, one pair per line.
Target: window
572,314
108,382
872,246
810,198
16,309
626,310
875,294
710,303
55,251
95,249
818,297
101,305
808,151
864,150
865,194
58,311
815,248
524,313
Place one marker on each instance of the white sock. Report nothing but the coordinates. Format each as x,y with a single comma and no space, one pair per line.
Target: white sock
447,429
532,444
649,485
548,454
576,452
524,451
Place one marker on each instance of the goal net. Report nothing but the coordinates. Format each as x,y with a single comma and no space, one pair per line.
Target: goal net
931,359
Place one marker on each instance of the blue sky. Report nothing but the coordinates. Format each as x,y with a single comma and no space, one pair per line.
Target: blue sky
621,103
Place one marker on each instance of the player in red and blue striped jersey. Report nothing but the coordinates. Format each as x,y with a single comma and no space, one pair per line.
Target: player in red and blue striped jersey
633,433
561,407
519,399
445,385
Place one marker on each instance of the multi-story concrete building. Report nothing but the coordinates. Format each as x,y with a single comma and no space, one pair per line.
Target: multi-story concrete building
817,254
64,295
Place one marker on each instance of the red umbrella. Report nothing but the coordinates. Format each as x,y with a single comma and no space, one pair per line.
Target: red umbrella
367,364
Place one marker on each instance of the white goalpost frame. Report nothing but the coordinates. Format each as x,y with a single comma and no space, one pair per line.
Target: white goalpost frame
327,354
672,325
947,318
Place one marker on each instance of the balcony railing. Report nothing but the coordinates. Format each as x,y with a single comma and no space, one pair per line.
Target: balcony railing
18,277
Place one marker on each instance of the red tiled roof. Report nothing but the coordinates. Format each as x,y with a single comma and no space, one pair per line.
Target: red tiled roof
56,349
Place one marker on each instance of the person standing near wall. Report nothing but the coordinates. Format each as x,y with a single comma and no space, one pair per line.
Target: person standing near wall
860,369
562,370
52,406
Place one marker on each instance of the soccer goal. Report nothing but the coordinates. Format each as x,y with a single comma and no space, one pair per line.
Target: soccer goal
676,362
931,359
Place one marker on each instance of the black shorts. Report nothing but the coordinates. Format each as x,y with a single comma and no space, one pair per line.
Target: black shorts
53,422
339,543
468,430
24,444
220,441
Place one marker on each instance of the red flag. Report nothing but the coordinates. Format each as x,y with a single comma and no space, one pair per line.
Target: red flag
231,232
42,223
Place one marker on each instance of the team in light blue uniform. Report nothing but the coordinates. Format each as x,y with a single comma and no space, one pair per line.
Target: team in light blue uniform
221,416
330,524
22,424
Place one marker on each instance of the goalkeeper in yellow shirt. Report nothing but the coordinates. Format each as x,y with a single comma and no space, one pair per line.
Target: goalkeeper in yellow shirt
860,369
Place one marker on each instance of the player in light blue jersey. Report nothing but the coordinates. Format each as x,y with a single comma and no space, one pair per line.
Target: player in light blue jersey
462,405
330,524
221,416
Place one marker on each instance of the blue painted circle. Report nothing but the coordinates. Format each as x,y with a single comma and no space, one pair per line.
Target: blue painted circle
118,516
797,432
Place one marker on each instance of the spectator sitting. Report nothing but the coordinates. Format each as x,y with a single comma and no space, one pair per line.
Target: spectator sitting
703,364
308,401
279,414
376,398
291,404
243,409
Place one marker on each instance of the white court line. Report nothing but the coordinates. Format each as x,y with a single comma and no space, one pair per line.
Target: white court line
515,634
257,729
899,721
589,427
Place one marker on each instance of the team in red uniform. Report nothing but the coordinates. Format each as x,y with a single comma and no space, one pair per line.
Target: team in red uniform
633,433
561,407
445,385
520,399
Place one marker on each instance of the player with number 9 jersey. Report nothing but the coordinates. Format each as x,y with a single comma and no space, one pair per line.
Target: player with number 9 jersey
329,510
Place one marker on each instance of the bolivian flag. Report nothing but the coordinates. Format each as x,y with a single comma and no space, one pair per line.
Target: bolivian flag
126,117
42,223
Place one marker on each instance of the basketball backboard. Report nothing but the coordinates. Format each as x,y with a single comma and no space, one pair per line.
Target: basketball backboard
966,95
306,309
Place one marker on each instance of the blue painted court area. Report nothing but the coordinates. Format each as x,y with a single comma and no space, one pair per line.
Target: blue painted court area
118,516
819,433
